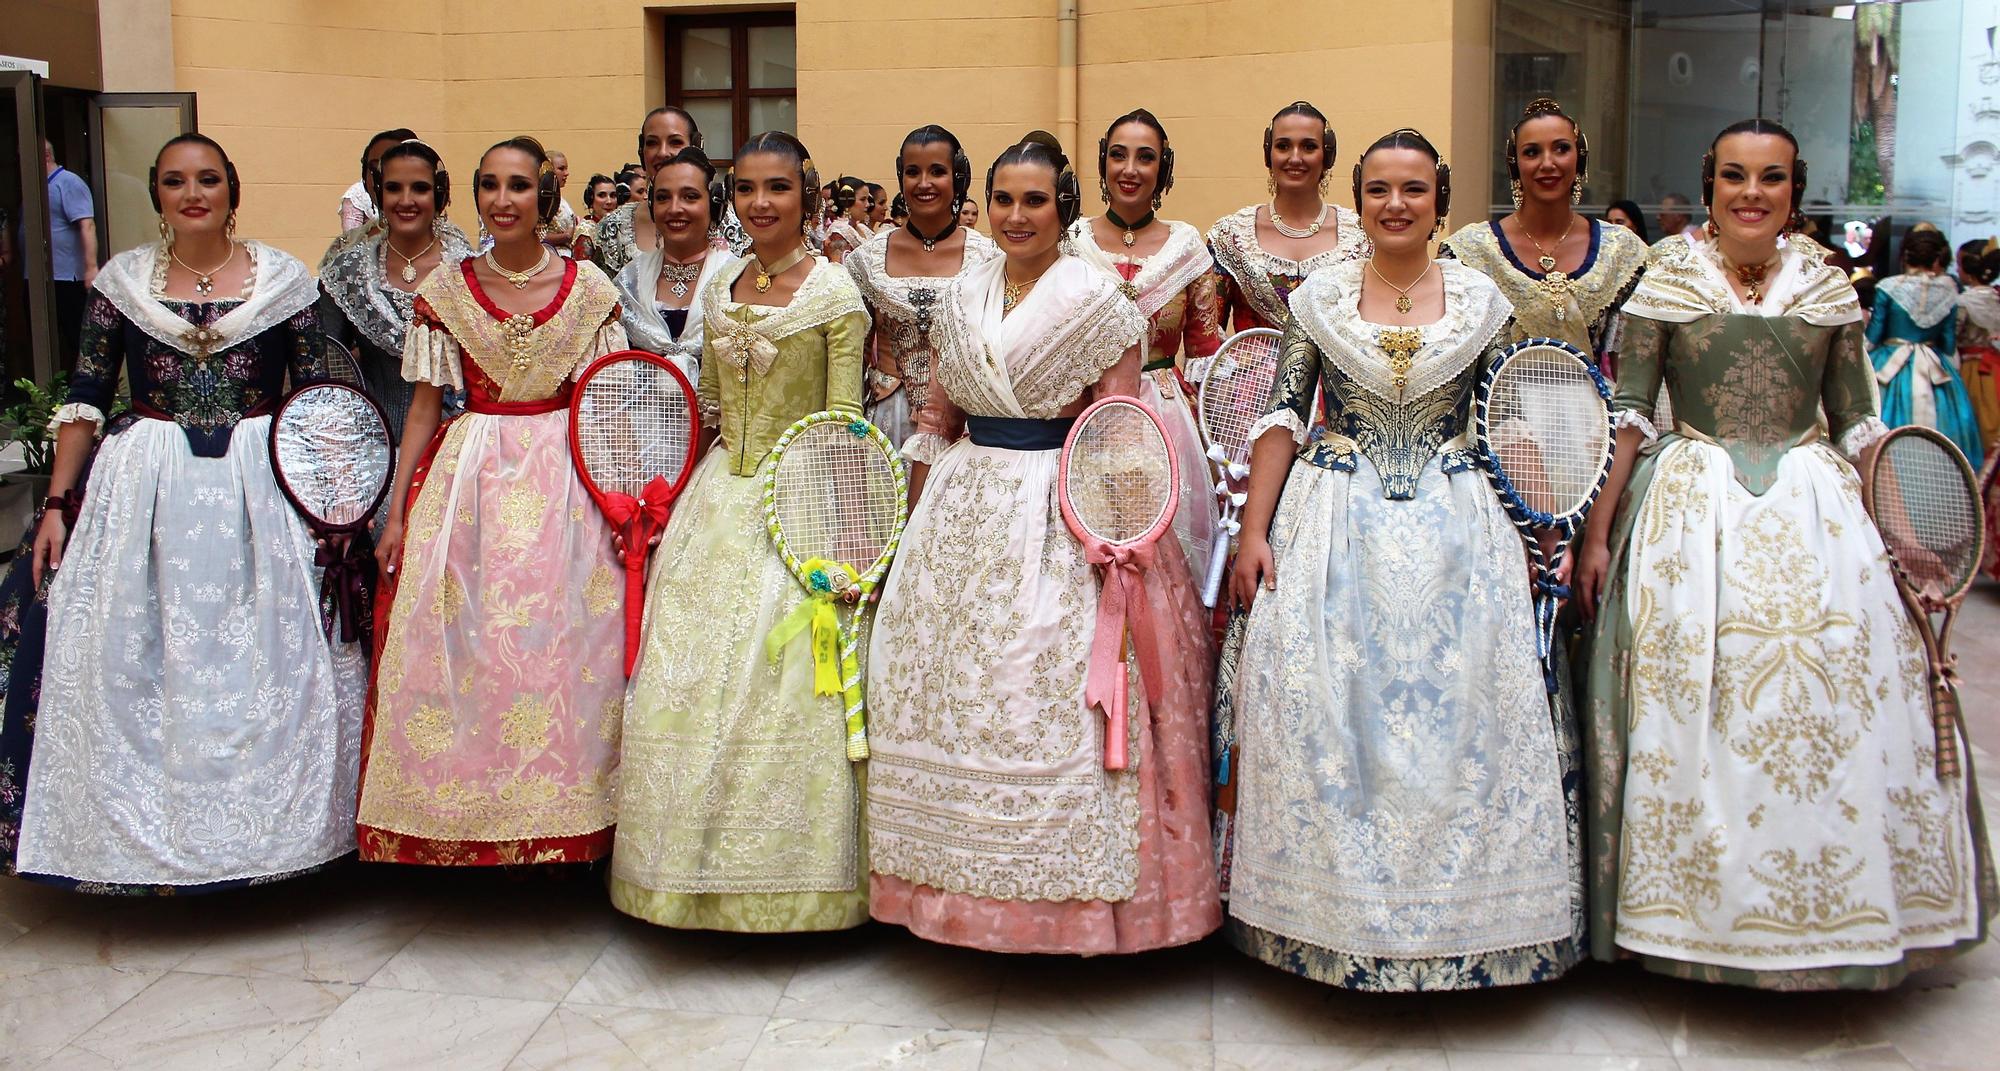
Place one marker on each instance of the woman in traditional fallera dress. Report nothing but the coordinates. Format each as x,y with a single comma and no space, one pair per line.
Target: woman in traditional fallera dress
1978,324
499,686
1265,251
196,727
1399,817
1165,268
1912,341
1765,807
930,251
661,291
1582,271
992,820
1261,259
847,226
628,231
739,809
369,276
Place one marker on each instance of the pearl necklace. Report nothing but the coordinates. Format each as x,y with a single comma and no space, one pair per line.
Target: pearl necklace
1288,231
520,279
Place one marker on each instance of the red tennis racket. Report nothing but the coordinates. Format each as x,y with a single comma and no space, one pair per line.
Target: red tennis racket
632,431
1118,486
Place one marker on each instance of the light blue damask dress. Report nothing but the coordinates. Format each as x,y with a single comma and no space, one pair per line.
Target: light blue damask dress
1912,343
1400,821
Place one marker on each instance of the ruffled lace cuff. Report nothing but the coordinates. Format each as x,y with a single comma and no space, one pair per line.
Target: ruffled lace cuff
431,355
1283,418
1632,418
924,447
75,411
1865,433
1197,368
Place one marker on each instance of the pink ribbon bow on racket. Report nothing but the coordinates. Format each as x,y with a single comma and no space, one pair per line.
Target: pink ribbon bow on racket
1121,602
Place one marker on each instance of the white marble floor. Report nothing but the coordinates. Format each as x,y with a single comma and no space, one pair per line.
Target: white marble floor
389,967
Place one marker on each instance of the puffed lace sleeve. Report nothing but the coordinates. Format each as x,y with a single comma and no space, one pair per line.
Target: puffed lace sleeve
430,354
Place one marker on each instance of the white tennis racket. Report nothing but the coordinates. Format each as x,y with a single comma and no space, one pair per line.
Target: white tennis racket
334,457
1235,395
1118,484
1543,420
836,497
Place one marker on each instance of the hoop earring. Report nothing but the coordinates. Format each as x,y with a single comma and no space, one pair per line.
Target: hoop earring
166,232
1514,191
1576,190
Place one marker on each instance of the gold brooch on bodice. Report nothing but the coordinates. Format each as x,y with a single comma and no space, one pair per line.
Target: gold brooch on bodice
1401,344
517,332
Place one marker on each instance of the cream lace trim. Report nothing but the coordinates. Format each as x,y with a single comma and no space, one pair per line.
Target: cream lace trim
1926,299
431,355
1865,433
1632,418
73,411
869,265
1162,276
1684,282
1233,240
924,447
1280,418
1982,306
826,295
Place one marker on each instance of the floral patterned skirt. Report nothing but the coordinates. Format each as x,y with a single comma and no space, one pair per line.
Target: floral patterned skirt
499,690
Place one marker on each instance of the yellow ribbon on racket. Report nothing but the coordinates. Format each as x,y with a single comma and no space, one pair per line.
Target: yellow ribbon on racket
825,582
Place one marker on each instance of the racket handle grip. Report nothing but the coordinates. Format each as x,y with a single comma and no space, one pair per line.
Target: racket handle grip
1114,725
1218,560
1944,723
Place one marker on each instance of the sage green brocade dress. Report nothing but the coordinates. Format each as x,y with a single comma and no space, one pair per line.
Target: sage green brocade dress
1764,807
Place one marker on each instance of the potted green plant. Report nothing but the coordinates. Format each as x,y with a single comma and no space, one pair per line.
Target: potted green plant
28,422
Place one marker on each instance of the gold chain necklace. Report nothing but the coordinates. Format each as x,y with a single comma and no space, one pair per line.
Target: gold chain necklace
1402,292
520,279
784,264
1547,262
409,271
1011,294
204,281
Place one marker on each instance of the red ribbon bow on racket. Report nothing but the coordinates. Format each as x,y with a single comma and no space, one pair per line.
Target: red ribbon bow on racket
639,519
350,581
1121,602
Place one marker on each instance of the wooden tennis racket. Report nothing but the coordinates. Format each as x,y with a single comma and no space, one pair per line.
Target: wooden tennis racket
334,457
1924,498
1542,416
632,433
836,497
1235,394
1118,484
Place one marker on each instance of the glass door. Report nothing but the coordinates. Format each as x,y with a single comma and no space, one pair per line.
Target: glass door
126,132
27,298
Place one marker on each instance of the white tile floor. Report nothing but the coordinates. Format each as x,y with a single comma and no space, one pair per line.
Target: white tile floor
388,967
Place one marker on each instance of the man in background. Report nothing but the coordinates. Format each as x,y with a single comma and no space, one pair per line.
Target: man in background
72,248
1676,216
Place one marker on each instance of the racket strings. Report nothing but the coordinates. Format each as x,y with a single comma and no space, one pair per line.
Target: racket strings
333,452
1546,426
633,423
1927,513
1238,393
835,497
1120,476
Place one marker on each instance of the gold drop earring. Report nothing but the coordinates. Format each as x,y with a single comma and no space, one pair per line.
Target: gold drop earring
166,232
1323,176
1271,184
1576,190
1514,191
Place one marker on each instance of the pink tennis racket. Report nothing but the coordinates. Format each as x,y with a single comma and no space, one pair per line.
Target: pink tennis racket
633,428
1118,485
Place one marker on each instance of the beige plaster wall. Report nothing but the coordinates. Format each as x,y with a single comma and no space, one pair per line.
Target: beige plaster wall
293,86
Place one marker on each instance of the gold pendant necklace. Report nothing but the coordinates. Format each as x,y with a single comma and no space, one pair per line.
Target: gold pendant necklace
1547,262
409,272
784,264
520,279
204,281
1402,292
1011,294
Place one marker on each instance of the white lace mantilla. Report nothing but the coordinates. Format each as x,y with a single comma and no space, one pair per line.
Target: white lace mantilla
354,273
826,295
1928,299
280,289
1684,281
869,266
1162,276
1327,307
